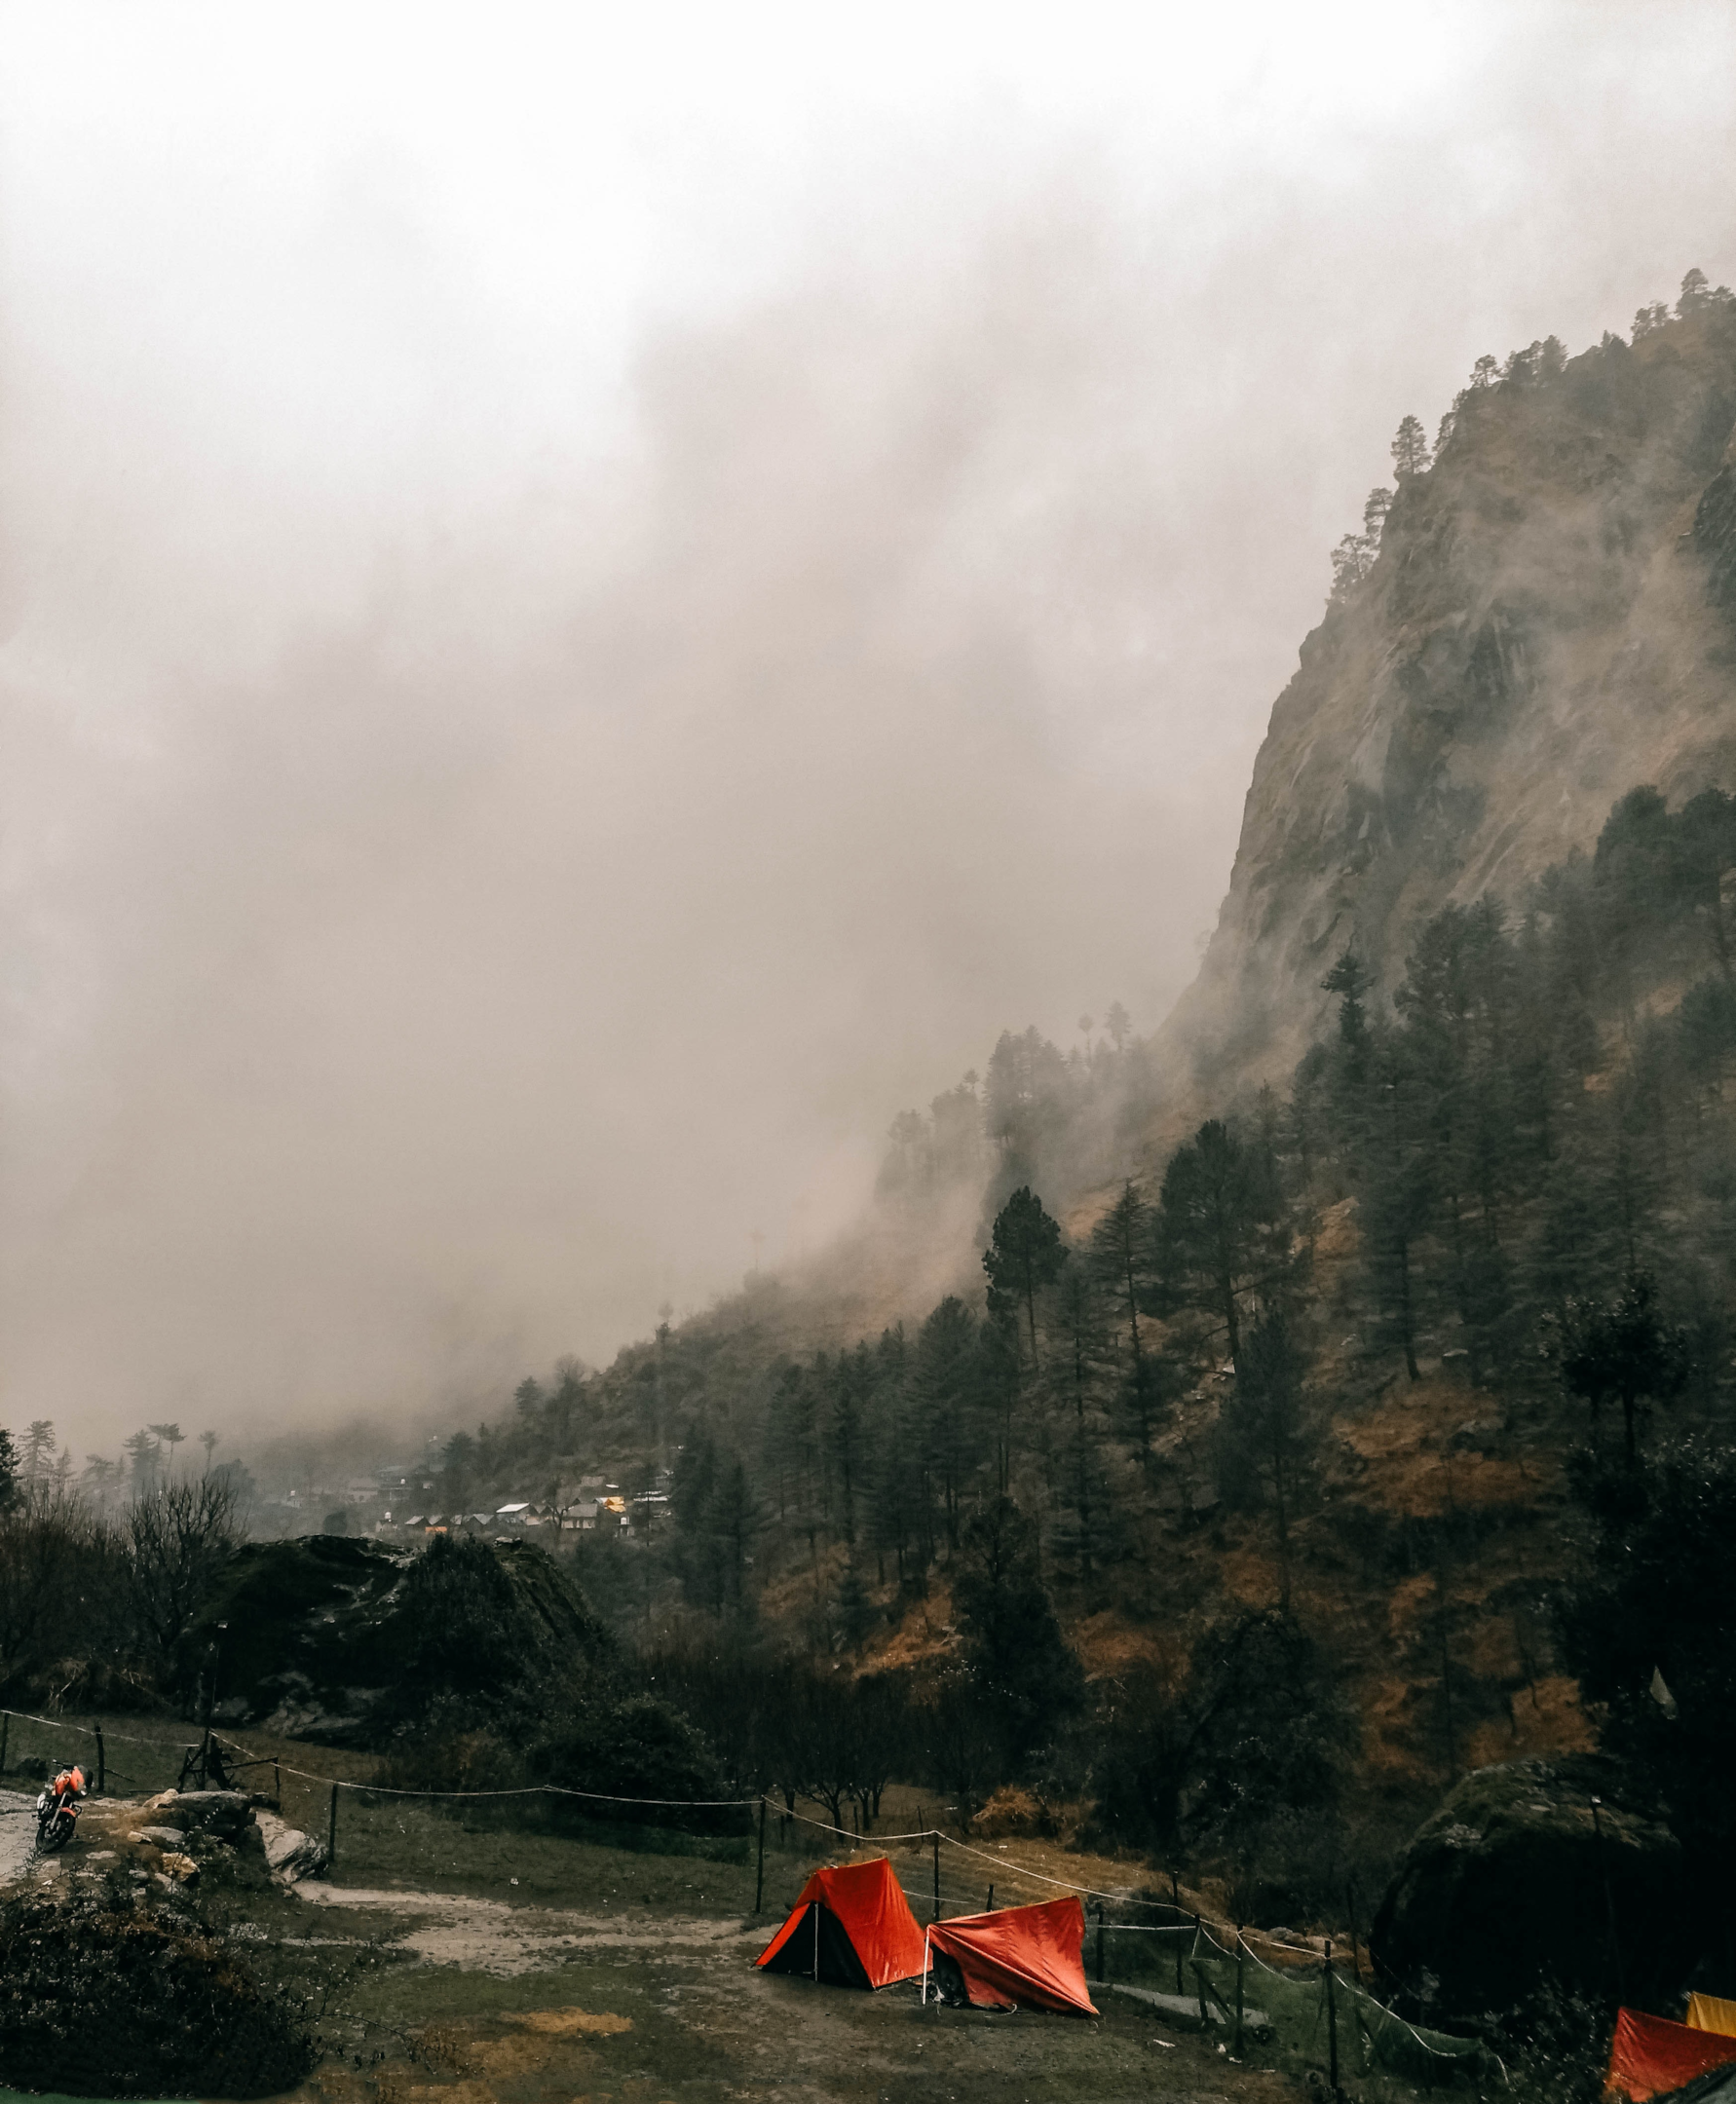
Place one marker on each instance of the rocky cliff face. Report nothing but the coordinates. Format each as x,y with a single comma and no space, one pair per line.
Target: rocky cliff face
1550,620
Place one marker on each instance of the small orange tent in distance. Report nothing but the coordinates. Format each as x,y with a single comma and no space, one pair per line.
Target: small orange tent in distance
1029,1956
851,1927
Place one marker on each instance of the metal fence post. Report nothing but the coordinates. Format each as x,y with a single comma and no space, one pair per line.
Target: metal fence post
331,1841
937,1873
101,1764
1101,1975
759,1877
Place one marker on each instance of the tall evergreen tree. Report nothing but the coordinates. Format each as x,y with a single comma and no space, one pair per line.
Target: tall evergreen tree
1021,1664
1220,1234
1024,1258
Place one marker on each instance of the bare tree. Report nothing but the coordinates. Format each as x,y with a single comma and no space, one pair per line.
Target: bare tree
174,1539
49,1546
209,1440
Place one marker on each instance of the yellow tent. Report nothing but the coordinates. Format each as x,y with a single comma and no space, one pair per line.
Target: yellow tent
1711,2013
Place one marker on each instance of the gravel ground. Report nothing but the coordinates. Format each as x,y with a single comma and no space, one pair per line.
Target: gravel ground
18,1833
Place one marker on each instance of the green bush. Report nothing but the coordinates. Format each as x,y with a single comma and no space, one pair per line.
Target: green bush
104,1996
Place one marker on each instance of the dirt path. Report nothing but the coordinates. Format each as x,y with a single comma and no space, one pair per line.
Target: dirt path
17,1834
503,1940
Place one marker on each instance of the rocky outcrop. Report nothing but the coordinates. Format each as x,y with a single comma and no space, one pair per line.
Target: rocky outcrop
323,1636
182,1836
1531,1871
1551,621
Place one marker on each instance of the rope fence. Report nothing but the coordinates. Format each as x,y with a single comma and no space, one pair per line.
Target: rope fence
1372,2021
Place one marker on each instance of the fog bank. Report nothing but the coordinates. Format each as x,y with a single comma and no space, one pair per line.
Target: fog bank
516,767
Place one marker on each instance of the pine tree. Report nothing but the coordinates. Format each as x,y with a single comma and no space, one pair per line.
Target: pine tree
1222,1233
1624,1350
1260,1432
1020,1663
947,1377
1409,450
1078,1330
1023,1259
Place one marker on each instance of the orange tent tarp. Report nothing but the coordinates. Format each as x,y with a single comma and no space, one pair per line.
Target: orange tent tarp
851,1927
1029,1956
1711,2012
1649,2056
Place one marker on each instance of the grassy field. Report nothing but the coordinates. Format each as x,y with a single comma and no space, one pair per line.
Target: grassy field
475,1955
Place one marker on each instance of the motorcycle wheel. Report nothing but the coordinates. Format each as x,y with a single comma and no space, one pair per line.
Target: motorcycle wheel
55,1834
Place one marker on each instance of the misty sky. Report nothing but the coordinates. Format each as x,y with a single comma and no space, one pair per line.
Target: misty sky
591,600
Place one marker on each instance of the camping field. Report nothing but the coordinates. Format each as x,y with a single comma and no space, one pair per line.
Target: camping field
480,2003
606,1973
485,1959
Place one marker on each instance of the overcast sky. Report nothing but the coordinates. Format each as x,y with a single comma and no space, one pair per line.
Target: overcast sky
593,599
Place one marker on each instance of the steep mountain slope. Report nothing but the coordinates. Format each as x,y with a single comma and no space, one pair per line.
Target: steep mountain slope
1551,619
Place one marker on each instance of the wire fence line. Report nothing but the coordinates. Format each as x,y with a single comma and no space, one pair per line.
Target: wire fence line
1309,1963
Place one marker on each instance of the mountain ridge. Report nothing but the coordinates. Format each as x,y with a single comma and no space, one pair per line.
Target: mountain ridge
1547,622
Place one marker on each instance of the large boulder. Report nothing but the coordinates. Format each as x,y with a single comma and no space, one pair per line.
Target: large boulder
224,1815
1514,1881
290,1854
338,1640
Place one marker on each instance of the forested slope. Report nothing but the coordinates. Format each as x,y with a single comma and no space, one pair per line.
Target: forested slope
1221,1479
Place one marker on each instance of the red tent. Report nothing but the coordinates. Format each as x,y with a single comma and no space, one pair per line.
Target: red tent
1649,2056
851,1927
1029,1956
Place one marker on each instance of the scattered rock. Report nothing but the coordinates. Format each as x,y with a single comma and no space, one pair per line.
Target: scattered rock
290,1854
224,1815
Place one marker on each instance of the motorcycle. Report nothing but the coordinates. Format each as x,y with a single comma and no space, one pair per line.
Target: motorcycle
56,1816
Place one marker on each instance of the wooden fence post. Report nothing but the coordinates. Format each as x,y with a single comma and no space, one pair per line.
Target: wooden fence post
1175,1900
1101,1975
937,1873
990,1908
759,1877
1240,1955
331,1839
101,1764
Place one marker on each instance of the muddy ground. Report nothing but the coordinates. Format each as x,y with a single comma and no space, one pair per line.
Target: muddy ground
461,2003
